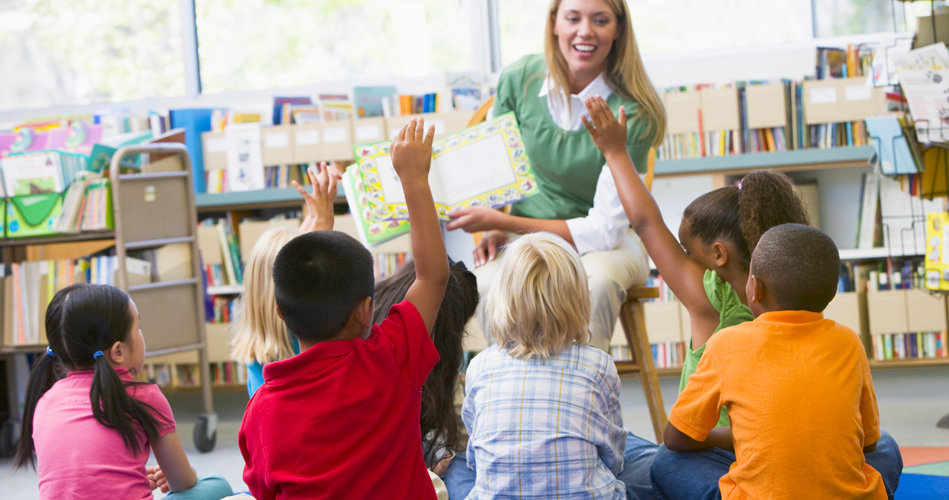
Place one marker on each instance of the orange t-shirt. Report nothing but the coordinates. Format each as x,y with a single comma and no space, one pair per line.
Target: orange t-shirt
802,407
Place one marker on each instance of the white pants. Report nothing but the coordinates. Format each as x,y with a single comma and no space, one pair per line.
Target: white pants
609,273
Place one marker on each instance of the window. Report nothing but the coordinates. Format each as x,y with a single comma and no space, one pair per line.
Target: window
259,44
664,27
60,52
848,17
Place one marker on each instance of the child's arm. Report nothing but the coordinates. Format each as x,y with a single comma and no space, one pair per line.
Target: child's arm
719,437
412,159
319,205
683,274
173,463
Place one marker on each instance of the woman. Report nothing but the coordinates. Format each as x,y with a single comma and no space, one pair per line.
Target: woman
590,49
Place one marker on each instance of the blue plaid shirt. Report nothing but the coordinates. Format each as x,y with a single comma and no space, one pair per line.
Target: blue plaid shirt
545,429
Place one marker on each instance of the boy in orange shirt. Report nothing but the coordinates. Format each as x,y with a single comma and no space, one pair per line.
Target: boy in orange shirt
804,419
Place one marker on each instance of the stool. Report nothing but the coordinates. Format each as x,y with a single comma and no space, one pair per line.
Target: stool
634,327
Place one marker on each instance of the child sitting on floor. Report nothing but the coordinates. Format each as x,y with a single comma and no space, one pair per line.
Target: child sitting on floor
542,408
341,419
93,430
804,419
261,335
439,420
719,230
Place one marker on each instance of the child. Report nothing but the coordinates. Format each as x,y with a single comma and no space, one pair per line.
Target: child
804,418
708,271
261,335
341,419
542,407
93,429
438,419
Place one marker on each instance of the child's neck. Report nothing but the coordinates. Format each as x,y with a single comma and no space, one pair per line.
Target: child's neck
349,332
737,278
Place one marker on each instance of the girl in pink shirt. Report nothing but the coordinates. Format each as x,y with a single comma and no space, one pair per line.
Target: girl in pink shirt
92,430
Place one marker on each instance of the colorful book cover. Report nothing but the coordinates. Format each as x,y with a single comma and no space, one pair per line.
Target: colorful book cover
33,173
937,251
482,166
371,232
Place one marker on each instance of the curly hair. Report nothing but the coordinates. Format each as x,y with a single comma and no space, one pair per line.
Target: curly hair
765,199
439,422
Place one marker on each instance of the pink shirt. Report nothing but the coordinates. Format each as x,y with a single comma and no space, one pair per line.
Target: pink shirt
77,457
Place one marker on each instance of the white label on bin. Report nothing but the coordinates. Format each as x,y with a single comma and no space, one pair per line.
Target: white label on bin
308,137
217,145
149,194
368,133
337,134
823,96
277,140
858,93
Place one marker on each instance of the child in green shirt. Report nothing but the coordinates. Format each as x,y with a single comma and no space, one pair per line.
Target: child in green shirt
719,230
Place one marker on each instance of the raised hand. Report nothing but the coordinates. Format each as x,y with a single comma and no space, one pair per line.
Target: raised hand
319,204
412,151
607,132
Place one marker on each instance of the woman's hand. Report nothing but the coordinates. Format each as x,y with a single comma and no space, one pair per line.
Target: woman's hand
474,219
156,479
319,205
608,133
488,248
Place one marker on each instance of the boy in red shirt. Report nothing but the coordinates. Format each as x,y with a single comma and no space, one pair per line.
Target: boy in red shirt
804,418
341,419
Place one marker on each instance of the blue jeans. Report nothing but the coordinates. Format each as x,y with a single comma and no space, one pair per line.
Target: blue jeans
637,461
213,487
694,475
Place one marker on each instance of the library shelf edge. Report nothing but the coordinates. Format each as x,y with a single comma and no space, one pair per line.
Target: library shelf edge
799,159
61,238
909,363
247,200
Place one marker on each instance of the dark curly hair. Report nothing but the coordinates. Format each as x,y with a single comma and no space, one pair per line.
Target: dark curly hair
742,214
440,429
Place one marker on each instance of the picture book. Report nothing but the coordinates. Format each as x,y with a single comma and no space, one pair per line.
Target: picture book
485,165
245,167
937,251
892,146
369,100
33,173
926,92
370,231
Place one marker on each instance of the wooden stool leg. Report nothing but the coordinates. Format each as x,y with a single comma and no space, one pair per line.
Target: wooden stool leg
634,326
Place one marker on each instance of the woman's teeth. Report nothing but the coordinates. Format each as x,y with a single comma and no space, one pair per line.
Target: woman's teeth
585,48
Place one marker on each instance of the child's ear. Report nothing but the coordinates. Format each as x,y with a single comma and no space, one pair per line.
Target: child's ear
117,353
279,314
757,289
364,312
720,253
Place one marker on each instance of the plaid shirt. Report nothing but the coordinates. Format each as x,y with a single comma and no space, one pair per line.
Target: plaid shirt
545,429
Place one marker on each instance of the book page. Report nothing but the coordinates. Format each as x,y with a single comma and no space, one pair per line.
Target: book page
476,169
392,185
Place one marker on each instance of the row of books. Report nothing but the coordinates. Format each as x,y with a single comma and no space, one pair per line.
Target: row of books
279,176
223,309
893,215
188,375
665,355
878,276
386,264
220,252
919,345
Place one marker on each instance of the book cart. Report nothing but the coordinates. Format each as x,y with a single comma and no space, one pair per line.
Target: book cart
151,209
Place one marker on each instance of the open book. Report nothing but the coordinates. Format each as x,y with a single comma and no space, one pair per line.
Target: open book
481,166
371,232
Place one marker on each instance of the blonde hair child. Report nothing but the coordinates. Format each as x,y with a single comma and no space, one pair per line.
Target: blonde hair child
261,336
541,390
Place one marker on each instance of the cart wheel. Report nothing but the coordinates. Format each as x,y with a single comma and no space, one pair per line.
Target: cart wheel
204,440
8,439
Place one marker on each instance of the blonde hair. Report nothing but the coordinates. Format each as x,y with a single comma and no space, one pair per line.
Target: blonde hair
625,72
261,334
540,303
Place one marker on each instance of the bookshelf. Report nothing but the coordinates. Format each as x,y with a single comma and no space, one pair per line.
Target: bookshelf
800,159
249,200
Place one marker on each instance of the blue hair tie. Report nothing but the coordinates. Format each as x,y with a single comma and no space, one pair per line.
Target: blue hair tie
97,354
49,350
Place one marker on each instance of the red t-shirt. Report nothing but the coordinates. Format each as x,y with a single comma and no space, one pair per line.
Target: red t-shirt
341,419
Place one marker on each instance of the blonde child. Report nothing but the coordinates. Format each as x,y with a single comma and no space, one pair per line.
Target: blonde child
542,407
261,335
93,430
719,230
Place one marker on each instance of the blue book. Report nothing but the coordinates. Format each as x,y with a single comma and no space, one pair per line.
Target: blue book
194,121
891,145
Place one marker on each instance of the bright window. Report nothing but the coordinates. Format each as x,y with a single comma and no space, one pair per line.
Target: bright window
848,17
60,52
662,26
260,44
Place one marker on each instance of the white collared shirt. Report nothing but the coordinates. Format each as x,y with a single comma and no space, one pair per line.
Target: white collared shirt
606,223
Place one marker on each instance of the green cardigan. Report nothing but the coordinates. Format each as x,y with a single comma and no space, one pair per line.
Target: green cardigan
566,163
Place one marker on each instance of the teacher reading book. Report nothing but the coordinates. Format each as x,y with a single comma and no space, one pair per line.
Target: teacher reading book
589,49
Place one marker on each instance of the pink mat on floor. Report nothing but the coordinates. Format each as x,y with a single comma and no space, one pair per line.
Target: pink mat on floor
919,455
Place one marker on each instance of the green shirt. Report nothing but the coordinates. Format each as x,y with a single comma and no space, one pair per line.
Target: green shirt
566,163
731,312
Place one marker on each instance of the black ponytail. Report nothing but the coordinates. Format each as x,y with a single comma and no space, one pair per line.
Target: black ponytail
741,215
81,320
